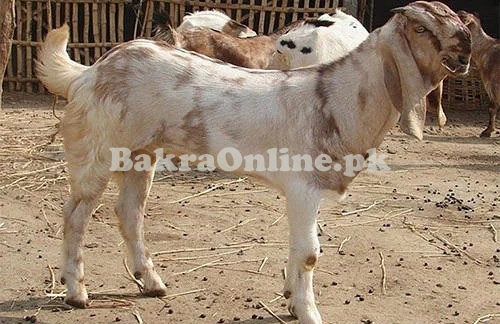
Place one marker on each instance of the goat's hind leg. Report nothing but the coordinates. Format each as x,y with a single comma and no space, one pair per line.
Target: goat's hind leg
130,209
87,185
302,206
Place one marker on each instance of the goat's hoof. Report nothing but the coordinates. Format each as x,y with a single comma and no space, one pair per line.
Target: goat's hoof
76,302
156,292
305,314
486,133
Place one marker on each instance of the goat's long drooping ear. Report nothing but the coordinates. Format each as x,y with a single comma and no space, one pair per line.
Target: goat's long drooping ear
404,82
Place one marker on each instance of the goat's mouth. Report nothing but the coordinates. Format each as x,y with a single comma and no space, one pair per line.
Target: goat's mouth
456,66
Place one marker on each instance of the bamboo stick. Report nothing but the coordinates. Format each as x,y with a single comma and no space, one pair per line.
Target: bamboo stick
10,74
272,17
306,6
282,13
95,28
182,11
58,13
88,1
121,29
253,7
49,15
238,15
104,22
112,23
70,45
175,10
316,5
251,16
295,7
74,32
262,20
147,27
19,49
86,30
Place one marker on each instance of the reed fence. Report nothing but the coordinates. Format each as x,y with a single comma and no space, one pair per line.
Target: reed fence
98,25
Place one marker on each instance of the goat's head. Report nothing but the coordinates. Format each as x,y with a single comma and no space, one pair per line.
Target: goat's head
234,28
438,39
216,20
318,41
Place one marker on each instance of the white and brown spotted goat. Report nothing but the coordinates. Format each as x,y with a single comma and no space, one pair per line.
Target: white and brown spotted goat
193,104
253,52
216,20
212,19
486,56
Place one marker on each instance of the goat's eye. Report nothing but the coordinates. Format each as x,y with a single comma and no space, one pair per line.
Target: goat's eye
420,29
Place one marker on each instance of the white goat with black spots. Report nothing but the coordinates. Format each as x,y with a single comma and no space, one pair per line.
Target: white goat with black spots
321,40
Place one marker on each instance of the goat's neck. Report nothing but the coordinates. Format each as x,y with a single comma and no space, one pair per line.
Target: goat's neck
481,42
365,106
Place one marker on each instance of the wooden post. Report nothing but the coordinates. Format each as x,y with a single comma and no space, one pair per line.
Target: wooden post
7,25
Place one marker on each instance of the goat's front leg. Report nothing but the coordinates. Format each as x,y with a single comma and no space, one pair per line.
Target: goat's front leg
434,104
130,209
302,207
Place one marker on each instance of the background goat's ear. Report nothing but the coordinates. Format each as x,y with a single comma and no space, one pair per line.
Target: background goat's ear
399,10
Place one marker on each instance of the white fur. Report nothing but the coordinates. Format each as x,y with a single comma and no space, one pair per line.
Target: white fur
212,19
326,43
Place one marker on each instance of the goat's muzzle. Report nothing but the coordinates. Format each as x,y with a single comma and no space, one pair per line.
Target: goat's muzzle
456,65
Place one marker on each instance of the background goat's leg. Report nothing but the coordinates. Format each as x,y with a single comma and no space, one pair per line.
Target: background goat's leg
491,125
134,190
434,104
302,207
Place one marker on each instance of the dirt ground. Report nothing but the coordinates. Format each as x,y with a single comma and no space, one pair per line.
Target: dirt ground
431,221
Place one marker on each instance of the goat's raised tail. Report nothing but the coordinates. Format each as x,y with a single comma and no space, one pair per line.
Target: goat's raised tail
54,68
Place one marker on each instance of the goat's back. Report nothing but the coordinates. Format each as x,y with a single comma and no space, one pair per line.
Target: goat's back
255,52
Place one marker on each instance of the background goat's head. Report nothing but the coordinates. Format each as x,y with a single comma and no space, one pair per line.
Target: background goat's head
472,21
216,20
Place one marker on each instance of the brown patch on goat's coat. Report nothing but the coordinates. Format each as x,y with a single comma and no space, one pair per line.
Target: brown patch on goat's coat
393,83
195,132
252,52
239,81
160,134
113,88
184,78
362,95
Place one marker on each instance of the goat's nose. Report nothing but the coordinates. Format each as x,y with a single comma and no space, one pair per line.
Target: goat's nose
463,59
